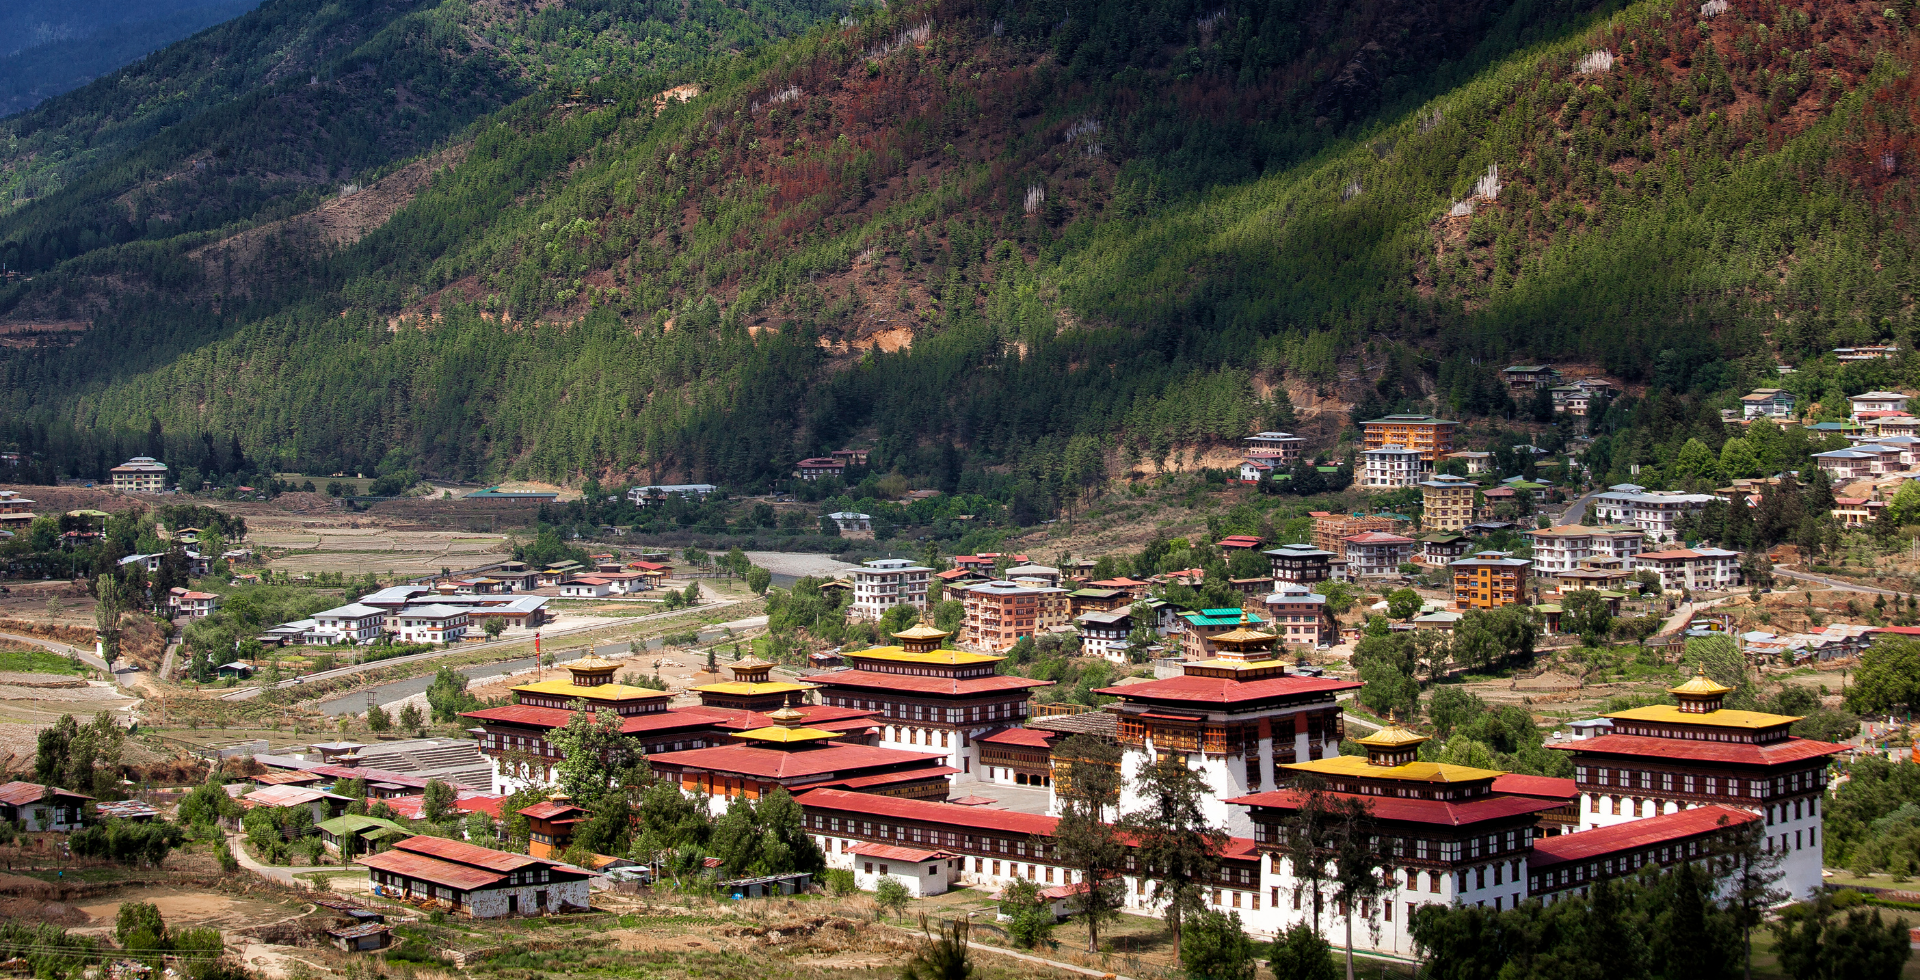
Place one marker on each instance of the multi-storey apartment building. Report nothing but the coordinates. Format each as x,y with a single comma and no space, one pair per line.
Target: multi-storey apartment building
1390,467
884,583
1000,613
1282,446
141,474
1767,403
1446,503
1377,553
1567,547
1432,438
1654,512
1698,569
1300,563
1489,580
1300,616
1331,531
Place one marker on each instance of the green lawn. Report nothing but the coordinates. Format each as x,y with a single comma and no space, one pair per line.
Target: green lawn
37,662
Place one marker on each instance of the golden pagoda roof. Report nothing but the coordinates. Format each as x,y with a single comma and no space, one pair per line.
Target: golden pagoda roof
1237,664
1417,772
599,692
1700,686
944,657
921,631
749,662
1243,635
590,663
749,689
1393,737
786,736
1723,718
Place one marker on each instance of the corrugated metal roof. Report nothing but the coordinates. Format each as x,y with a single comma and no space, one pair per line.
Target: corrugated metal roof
433,870
464,853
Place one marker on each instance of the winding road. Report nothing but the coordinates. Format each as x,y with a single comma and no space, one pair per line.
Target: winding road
1835,583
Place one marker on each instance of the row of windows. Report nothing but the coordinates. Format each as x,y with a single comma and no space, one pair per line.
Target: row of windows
1692,783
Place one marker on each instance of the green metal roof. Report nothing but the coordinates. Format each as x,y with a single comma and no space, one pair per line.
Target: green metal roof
354,823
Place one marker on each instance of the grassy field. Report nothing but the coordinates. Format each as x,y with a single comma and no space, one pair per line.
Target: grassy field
38,662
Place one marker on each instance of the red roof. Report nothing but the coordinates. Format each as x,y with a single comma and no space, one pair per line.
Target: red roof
867,783
1021,736
1121,582
655,721
926,811
21,793
1240,541
1546,787
954,573
412,807
767,763
1677,554
1226,690
1445,813
1636,834
462,852
428,869
911,855
1743,753
547,810
823,716
295,778
915,684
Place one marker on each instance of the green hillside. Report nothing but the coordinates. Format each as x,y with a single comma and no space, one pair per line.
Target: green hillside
262,116
1034,234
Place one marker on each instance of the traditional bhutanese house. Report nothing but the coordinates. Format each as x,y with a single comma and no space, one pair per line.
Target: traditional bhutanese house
550,825
1664,759
1571,863
751,689
1019,756
1239,717
788,754
35,808
477,881
323,805
1462,842
1201,627
927,697
514,736
1134,588
1091,599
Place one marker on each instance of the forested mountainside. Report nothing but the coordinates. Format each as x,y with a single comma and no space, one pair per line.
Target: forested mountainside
263,116
1029,234
52,46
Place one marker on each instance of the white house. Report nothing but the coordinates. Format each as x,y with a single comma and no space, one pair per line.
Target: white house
1104,634
1709,569
1878,401
1564,548
1767,402
432,624
1652,511
1283,446
647,496
923,872
37,808
1389,467
352,623
1847,464
586,587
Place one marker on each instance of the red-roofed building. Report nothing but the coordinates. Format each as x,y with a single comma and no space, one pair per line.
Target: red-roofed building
819,466
1377,553
465,801
1665,759
37,807
1018,756
477,881
1569,865
925,697
789,754
1239,542
922,871
1240,716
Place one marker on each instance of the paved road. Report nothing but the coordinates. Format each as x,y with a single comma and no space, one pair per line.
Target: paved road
1837,583
86,656
384,694
248,693
1574,510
